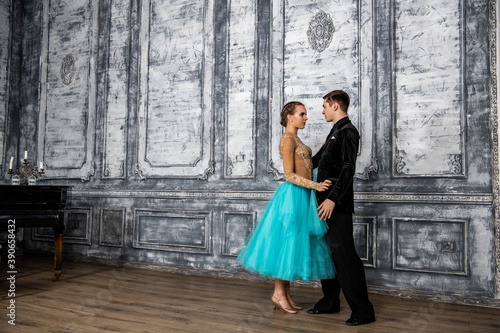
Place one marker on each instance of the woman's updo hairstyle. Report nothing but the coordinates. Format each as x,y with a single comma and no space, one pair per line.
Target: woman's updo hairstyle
289,108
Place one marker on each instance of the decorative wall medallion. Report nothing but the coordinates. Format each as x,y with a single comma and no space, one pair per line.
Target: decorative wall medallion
67,69
320,32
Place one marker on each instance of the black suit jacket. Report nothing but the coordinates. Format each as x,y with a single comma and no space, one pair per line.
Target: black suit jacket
336,160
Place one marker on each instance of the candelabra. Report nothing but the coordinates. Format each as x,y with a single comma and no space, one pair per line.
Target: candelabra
28,171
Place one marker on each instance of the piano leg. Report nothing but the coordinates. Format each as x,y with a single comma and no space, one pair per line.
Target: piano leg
58,244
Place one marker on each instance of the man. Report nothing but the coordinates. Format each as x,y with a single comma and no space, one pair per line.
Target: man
336,160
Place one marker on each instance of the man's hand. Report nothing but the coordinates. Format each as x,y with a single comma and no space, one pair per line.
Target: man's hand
326,209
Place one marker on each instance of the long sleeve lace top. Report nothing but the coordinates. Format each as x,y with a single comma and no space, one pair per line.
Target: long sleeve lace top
297,163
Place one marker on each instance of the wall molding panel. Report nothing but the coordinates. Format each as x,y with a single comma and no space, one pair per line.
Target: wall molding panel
66,125
382,197
425,198
173,230
240,145
201,195
112,227
5,37
431,245
302,47
236,226
78,228
176,90
428,97
116,106
365,238
494,11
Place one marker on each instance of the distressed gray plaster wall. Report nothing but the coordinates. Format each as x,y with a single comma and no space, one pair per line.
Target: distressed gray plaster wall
164,117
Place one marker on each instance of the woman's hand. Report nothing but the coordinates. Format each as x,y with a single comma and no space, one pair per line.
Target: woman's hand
323,186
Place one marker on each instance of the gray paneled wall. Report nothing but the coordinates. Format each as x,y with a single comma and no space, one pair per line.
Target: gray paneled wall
164,116
4,65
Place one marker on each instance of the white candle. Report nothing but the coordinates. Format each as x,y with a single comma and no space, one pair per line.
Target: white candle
11,166
25,154
41,166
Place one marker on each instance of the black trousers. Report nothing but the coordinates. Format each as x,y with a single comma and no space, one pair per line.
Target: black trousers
350,276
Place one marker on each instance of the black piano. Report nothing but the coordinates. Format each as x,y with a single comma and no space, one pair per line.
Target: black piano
36,206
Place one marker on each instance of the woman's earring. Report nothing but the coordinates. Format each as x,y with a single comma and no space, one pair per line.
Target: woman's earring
291,120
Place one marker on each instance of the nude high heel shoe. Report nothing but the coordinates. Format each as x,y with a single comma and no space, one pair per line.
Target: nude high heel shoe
276,304
296,306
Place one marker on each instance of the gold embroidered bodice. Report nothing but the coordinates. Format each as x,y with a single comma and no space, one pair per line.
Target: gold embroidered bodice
297,163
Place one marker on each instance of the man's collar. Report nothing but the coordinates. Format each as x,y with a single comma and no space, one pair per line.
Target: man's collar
340,122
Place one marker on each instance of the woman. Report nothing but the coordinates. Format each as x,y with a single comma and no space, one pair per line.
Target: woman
288,241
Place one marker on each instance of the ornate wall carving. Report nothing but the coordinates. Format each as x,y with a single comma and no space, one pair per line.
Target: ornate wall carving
320,32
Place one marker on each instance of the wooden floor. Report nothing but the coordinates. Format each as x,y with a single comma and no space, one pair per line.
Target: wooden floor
98,298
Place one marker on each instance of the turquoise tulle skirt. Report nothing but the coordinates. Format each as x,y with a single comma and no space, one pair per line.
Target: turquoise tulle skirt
288,241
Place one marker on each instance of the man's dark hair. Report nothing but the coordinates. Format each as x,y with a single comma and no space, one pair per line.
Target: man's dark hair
340,97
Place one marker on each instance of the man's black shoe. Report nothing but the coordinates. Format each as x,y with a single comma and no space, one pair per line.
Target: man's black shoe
316,311
355,322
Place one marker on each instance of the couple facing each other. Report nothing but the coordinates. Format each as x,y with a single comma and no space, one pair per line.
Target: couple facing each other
297,239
